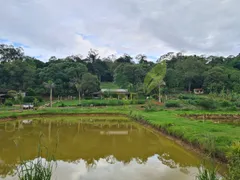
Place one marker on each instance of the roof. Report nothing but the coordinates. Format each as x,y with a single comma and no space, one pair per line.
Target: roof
4,95
114,90
198,89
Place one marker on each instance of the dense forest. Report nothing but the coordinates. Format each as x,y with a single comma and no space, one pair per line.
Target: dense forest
184,73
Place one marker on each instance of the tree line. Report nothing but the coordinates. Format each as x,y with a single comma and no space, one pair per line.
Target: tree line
77,75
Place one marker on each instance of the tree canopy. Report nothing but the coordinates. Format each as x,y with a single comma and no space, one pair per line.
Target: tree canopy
183,73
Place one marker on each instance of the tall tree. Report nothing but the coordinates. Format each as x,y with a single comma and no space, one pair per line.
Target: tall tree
142,59
89,84
76,82
191,70
50,85
93,55
9,53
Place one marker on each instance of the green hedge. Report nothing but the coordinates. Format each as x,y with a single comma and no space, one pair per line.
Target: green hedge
30,99
172,103
8,102
109,102
208,104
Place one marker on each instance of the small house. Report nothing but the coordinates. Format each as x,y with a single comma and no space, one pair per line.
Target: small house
198,91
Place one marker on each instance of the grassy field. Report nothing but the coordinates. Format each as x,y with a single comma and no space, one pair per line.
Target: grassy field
206,135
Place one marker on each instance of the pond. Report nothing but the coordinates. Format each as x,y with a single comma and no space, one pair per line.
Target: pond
95,147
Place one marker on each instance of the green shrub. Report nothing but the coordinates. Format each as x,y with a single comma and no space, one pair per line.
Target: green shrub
192,102
28,99
208,104
172,103
8,102
189,96
39,98
226,104
231,108
30,92
237,103
234,161
62,105
150,106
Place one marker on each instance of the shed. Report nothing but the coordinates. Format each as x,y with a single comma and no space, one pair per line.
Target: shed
198,91
112,92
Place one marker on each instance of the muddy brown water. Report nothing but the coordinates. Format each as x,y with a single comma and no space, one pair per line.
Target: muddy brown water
95,148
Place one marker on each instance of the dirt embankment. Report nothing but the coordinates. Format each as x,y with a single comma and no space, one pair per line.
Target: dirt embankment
213,116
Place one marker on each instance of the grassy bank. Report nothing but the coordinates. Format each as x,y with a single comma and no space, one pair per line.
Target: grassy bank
207,136
203,135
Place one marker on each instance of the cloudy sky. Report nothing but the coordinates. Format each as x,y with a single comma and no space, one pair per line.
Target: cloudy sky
153,27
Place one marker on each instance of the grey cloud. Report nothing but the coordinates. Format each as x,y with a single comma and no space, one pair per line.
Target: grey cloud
153,27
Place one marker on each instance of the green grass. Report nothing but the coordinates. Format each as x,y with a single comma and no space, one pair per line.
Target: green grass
108,85
194,132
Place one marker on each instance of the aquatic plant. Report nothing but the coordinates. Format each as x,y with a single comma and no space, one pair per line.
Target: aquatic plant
39,169
207,174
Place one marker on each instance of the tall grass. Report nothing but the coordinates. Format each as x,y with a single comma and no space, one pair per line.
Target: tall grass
40,168
206,174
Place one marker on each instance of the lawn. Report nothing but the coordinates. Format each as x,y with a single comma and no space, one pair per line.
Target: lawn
205,135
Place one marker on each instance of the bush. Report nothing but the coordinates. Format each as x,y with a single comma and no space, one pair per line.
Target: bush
8,102
189,96
237,103
172,103
226,104
39,98
231,108
112,102
234,161
192,102
208,104
62,105
150,106
28,99
30,92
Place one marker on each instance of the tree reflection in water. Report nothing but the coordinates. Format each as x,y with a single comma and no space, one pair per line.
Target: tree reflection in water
112,140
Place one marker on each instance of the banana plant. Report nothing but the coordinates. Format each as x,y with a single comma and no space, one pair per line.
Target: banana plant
154,78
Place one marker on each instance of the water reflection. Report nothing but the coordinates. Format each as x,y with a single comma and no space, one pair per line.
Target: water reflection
96,149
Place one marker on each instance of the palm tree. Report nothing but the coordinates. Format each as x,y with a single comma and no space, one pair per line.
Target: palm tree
49,85
78,85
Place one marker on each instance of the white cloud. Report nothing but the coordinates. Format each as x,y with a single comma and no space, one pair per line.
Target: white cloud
153,27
